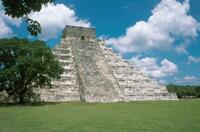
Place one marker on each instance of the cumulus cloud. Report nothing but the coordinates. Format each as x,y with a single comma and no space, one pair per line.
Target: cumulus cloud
53,19
192,59
152,68
162,81
5,30
5,22
168,23
181,49
190,78
187,80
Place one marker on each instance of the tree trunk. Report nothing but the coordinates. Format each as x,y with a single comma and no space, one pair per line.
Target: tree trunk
21,98
22,93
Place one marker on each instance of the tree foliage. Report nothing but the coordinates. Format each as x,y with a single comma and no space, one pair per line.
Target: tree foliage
21,8
185,91
25,65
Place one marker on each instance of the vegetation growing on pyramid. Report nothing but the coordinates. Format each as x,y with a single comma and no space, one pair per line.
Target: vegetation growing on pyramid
24,66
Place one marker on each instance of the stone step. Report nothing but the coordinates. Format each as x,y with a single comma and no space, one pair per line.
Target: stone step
66,83
61,97
132,78
135,85
63,54
67,64
61,51
60,48
72,87
68,67
144,91
116,65
63,91
64,79
140,86
152,96
127,70
68,76
68,47
63,57
68,70
66,60
133,81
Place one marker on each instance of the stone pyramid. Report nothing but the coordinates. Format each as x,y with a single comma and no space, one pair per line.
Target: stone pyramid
94,73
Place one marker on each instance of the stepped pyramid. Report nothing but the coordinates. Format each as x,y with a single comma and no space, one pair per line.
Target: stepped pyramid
94,73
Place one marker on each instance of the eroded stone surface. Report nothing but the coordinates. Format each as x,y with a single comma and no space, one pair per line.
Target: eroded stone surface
94,73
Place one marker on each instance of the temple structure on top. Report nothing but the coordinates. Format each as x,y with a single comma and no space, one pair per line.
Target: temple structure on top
94,73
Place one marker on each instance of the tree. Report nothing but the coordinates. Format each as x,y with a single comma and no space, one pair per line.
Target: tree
21,8
24,66
184,91
197,88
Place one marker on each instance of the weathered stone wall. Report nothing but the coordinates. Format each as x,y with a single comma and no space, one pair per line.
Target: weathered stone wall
79,33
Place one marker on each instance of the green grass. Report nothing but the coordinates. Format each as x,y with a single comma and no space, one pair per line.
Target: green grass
153,116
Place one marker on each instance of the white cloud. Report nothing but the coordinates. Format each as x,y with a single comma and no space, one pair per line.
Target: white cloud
149,65
53,19
162,81
169,22
5,21
181,49
5,30
190,78
192,59
187,80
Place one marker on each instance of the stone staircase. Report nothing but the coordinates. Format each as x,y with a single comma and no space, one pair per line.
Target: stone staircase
66,88
96,81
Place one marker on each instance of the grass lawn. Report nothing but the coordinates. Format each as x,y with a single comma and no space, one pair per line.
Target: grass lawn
153,116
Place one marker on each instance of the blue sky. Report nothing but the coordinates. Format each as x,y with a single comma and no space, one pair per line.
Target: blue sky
162,37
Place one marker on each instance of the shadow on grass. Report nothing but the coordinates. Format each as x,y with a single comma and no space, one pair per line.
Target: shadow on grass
34,104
